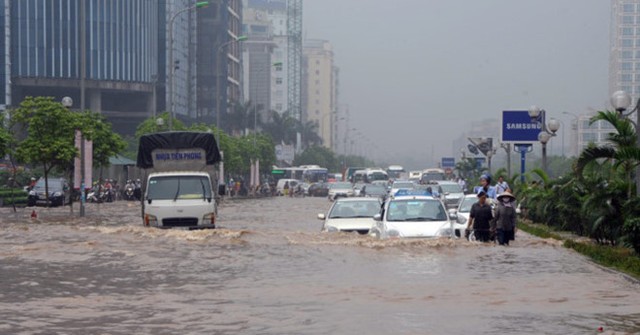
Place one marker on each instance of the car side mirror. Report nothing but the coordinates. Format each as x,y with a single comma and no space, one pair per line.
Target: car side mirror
453,216
321,217
377,217
149,200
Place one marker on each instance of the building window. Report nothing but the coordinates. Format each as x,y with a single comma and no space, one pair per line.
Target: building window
278,81
627,19
627,43
625,77
589,137
626,88
317,72
317,82
627,31
278,107
278,67
629,8
626,66
627,54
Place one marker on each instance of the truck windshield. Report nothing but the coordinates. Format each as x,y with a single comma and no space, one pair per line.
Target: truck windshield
179,187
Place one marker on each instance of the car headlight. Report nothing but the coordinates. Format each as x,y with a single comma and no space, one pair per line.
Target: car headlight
57,194
209,218
393,233
332,229
150,220
445,232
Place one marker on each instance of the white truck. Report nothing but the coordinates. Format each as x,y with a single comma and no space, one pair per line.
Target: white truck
179,179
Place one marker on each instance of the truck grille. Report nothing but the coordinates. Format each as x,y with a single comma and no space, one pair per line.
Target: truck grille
180,222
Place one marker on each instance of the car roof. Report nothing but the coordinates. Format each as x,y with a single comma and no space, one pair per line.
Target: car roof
414,197
357,199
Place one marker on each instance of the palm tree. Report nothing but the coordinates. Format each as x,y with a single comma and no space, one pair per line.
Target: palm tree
309,133
622,150
281,127
243,117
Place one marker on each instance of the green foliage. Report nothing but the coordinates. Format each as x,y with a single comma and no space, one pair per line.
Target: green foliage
150,125
5,137
538,230
320,156
12,196
106,143
50,129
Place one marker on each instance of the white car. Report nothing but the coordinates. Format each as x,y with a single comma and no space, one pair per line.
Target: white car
450,192
413,216
340,189
462,213
401,185
351,214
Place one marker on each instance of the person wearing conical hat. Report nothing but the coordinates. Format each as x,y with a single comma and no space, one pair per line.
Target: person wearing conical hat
504,222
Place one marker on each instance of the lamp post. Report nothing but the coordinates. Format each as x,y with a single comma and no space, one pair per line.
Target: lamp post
547,130
621,100
172,69
218,82
67,102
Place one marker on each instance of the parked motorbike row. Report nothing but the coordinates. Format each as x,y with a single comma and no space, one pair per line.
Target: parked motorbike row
132,191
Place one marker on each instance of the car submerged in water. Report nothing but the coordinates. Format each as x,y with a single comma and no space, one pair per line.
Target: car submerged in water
351,214
414,216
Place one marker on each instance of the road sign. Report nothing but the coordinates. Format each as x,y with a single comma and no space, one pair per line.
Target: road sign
484,144
517,127
448,162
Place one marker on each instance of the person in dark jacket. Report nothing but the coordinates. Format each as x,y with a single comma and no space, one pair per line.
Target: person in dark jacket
480,218
505,220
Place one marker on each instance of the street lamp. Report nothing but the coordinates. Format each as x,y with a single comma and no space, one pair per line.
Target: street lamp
172,69
220,74
547,130
621,100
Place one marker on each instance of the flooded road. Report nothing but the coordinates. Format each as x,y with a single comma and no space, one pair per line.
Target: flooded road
269,270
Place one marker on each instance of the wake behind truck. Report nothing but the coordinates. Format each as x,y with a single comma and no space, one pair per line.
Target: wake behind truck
179,179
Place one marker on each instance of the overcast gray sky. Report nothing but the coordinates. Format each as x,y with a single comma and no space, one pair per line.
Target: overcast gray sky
416,73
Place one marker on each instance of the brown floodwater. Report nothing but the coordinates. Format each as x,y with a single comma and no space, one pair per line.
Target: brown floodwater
269,270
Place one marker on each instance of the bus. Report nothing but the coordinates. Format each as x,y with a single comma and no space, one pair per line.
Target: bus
396,172
314,174
307,173
432,174
369,175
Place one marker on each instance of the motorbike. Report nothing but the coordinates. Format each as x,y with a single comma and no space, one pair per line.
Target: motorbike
129,193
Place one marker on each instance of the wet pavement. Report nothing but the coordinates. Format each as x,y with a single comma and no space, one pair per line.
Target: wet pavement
269,270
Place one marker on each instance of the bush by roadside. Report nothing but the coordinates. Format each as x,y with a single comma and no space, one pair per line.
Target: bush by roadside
619,258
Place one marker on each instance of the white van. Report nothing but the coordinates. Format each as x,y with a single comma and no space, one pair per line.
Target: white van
280,185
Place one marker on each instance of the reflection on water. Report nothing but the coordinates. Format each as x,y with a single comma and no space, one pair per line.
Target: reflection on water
269,270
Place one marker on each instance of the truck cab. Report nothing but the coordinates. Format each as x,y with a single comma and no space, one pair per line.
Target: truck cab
180,180
179,199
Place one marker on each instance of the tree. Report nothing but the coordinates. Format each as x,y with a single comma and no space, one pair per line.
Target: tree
50,134
309,133
5,137
281,127
319,156
623,149
106,143
150,125
243,117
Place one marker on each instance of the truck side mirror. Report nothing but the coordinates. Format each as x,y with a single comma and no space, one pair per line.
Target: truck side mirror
149,201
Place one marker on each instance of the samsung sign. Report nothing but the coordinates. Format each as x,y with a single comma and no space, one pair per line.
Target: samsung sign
517,127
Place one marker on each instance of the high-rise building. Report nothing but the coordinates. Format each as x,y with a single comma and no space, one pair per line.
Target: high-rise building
318,89
256,59
265,54
592,134
624,58
43,55
218,56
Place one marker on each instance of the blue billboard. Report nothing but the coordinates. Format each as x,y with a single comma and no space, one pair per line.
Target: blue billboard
480,161
448,162
517,127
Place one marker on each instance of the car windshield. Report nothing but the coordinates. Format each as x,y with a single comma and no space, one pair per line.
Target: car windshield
466,204
54,185
354,209
416,210
451,188
340,185
179,187
375,189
